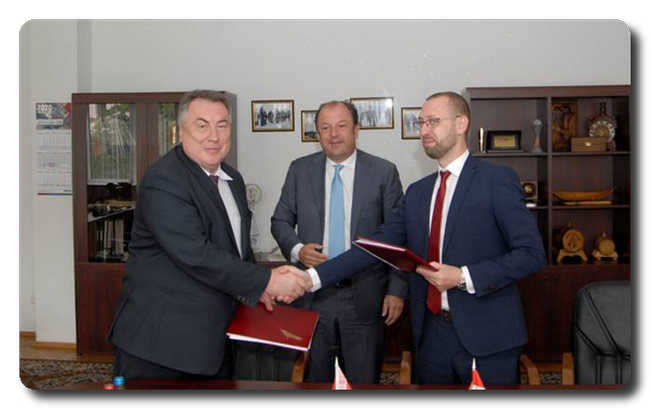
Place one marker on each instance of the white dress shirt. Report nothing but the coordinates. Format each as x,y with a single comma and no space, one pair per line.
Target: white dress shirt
229,202
454,168
347,176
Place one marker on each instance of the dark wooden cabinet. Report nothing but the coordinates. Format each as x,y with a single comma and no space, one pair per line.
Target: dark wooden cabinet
548,299
116,136
549,295
516,109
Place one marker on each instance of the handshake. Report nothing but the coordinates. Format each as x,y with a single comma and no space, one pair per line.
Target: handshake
286,284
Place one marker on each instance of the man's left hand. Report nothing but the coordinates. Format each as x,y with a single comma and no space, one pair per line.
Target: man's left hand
392,309
444,278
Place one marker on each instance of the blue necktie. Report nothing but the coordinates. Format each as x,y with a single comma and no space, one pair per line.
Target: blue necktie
336,244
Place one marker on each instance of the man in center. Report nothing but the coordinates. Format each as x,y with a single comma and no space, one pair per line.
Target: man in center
332,196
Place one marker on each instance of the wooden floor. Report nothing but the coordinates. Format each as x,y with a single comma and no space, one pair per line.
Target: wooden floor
30,349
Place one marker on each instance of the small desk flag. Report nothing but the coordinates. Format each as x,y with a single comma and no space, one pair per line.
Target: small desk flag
340,381
477,383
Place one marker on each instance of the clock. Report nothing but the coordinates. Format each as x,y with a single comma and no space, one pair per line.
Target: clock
530,190
602,125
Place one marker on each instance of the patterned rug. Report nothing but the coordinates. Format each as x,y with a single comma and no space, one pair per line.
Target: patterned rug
49,374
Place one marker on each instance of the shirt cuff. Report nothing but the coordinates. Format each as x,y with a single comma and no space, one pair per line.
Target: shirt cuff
315,279
295,252
468,280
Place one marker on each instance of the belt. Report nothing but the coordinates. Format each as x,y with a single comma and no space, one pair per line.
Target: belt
343,283
445,315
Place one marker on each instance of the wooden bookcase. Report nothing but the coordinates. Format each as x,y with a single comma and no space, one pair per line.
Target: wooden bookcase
115,137
549,295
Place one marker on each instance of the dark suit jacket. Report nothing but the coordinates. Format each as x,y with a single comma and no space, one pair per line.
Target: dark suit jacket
490,231
184,271
377,189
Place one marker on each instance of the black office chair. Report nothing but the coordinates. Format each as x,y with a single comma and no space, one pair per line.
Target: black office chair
602,335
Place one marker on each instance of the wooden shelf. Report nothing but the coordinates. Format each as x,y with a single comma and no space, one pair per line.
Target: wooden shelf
510,155
546,154
590,207
592,265
616,153
517,108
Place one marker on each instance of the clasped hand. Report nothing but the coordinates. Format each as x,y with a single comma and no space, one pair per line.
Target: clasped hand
441,276
286,284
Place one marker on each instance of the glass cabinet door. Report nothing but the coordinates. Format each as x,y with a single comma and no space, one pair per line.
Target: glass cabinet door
167,129
111,181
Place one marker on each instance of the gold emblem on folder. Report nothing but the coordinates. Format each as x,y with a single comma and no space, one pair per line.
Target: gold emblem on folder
290,335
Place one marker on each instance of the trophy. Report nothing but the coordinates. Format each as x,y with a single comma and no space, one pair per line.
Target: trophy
537,128
481,140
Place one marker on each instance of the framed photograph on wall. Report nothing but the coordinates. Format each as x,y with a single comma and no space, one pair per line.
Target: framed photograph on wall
410,125
375,112
308,126
272,115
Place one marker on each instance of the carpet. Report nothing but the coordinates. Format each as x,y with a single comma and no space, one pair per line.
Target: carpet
49,374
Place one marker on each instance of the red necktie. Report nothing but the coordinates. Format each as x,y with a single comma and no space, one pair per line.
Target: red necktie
433,295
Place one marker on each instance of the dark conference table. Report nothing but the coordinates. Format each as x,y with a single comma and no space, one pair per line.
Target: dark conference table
177,384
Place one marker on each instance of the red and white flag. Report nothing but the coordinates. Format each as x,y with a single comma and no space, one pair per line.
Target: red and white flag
340,381
477,383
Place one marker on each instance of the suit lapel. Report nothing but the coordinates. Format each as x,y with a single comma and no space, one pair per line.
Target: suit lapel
424,211
242,205
222,209
462,187
318,188
362,174
204,182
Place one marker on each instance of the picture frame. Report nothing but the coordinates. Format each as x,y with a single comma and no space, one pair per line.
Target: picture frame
375,112
308,132
410,125
564,116
504,141
272,115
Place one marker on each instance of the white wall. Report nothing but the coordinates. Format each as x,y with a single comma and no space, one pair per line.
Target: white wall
46,259
307,61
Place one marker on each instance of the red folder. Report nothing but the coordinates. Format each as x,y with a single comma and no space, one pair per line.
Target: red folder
286,327
400,258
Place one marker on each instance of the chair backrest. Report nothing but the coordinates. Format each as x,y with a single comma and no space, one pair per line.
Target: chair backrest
602,333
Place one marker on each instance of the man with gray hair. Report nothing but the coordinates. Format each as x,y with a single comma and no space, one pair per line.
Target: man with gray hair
190,259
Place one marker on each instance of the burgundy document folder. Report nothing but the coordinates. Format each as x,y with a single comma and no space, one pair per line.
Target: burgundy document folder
400,258
286,327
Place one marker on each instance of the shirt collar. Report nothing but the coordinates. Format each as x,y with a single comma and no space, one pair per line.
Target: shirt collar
456,166
350,162
220,172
